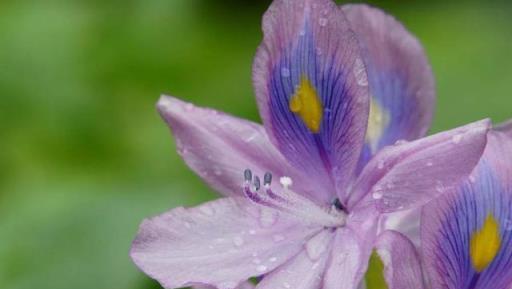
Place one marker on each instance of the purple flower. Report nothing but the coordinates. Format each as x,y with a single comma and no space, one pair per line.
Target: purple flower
466,234
336,89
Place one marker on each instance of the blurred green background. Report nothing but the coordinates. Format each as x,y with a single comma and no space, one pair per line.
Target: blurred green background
84,157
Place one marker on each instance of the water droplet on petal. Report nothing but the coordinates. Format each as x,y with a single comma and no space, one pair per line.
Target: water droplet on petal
208,210
189,106
278,238
261,268
227,285
286,285
238,241
439,187
252,232
360,72
377,195
272,259
380,164
400,142
430,163
268,217
285,72
315,247
323,21
508,225
457,138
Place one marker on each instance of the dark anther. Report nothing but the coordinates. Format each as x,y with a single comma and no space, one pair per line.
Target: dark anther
248,175
267,179
338,205
257,183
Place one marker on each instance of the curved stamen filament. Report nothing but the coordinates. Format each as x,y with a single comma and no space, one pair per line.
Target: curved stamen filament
288,201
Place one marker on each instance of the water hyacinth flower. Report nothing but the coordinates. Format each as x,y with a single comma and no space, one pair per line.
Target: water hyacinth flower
466,234
336,87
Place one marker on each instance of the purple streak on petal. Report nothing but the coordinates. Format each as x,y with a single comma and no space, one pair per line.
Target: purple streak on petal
449,222
402,269
219,147
400,77
221,243
348,262
305,270
311,38
405,176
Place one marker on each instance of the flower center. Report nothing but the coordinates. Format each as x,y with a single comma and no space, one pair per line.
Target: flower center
291,203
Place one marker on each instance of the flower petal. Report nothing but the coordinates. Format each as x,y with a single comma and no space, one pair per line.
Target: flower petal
405,222
311,88
221,243
219,147
403,176
402,269
244,285
305,271
467,234
506,127
348,262
400,77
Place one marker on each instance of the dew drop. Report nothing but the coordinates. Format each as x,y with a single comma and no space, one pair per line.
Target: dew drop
457,138
227,285
256,261
323,21
286,285
252,232
268,217
261,268
360,72
315,247
380,165
189,106
430,163
285,72
207,210
272,259
238,241
278,238
377,195
439,187
508,225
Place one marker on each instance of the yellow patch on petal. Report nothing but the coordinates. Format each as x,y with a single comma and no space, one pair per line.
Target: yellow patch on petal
485,244
307,104
378,120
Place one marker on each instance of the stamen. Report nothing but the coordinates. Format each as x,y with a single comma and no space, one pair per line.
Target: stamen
256,183
286,182
291,203
267,179
248,175
338,205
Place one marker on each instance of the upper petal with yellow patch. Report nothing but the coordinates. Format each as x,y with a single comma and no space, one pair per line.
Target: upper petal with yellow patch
399,76
467,234
312,90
